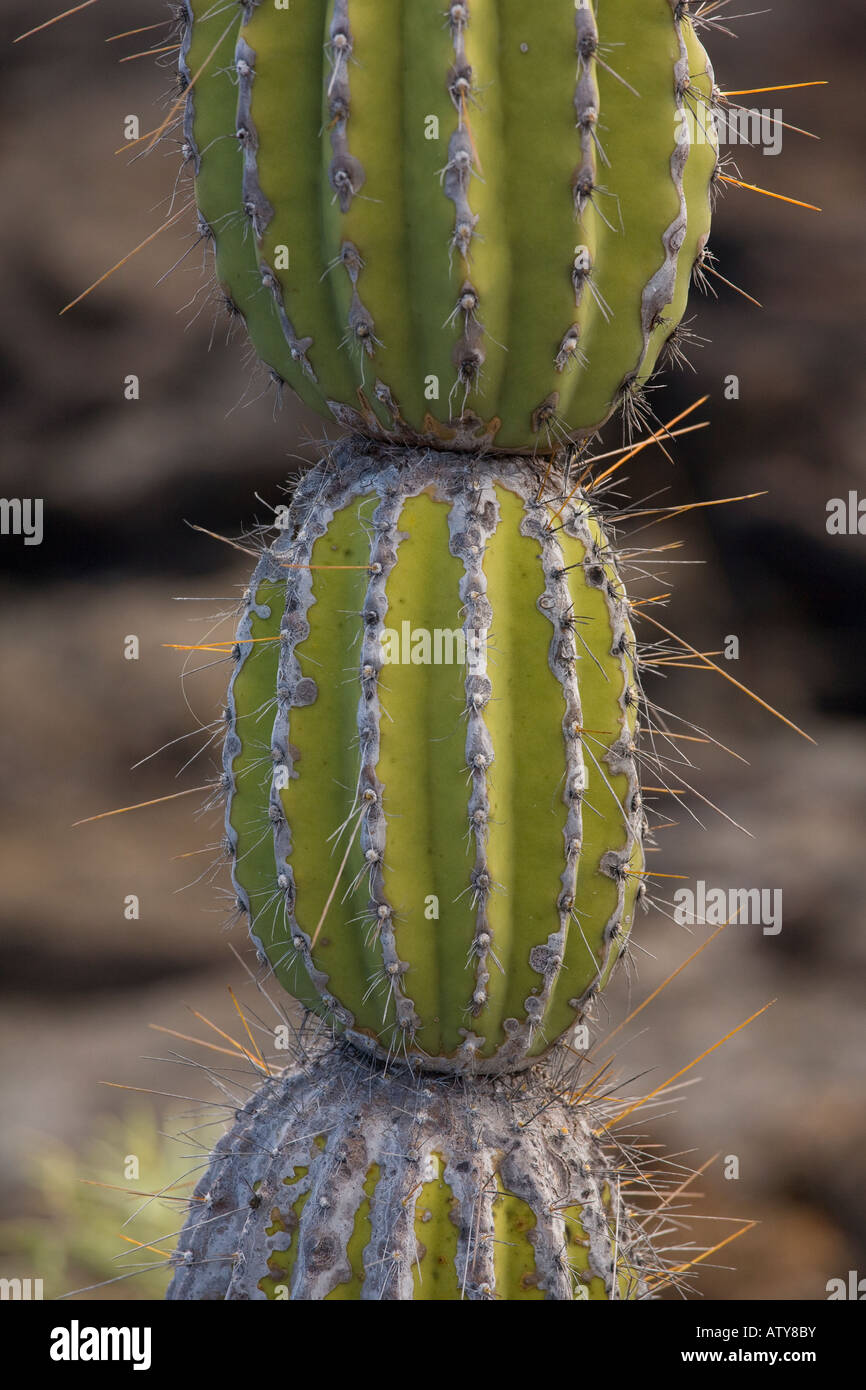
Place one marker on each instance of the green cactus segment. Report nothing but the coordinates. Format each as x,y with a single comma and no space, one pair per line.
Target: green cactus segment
362,1230
704,149
589,1287
358,96
514,1258
589,1284
458,223
527,814
421,766
541,154
430,216
434,804
610,857
282,1260
436,1231
217,158
207,53
641,211
284,121
699,132
318,803
248,760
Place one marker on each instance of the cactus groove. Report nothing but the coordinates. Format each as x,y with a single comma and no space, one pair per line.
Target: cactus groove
457,224
434,808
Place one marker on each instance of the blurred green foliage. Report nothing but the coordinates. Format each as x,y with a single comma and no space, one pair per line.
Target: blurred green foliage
81,1205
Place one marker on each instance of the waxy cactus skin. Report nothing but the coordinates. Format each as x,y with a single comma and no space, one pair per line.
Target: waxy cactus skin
464,224
442,859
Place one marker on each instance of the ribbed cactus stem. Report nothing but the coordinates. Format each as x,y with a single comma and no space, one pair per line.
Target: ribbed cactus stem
466,232
343,1181
462,224
434,810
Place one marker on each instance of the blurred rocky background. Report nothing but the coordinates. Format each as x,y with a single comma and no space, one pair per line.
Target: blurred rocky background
123,481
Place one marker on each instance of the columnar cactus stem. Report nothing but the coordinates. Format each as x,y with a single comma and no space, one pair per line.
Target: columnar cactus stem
455,231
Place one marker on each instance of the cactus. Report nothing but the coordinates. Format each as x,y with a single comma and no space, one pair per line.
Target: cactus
465,225
80,1211
443,859
466,234
338,1181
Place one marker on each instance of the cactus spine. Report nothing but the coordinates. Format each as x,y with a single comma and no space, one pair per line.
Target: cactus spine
463,225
